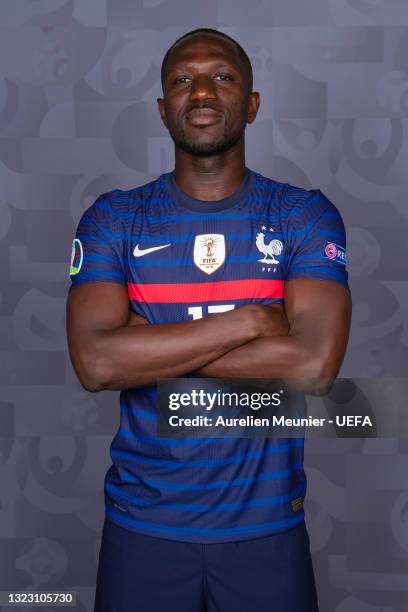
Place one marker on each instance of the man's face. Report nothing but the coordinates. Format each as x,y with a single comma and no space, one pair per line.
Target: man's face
207,102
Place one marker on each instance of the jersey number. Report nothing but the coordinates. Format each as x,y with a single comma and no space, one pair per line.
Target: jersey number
197,311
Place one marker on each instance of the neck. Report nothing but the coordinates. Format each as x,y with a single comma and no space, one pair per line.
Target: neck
209,178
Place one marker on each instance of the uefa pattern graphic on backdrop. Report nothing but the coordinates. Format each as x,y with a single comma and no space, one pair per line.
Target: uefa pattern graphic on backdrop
78,118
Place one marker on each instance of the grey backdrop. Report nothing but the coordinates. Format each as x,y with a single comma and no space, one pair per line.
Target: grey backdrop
78,85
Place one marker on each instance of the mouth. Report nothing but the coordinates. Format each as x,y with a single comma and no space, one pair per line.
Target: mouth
203,116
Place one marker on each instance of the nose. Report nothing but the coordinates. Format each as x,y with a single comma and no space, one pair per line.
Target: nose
202,88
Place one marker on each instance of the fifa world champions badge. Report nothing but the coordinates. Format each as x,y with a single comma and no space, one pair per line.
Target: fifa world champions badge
209,252
77,256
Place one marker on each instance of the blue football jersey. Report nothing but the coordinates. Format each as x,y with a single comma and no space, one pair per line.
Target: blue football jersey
182,259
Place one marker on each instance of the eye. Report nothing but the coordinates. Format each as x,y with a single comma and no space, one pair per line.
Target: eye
224,77
180,80
184,79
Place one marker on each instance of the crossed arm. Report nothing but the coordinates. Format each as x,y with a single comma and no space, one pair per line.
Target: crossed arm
112,348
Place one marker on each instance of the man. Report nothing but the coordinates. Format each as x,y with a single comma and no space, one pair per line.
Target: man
211,270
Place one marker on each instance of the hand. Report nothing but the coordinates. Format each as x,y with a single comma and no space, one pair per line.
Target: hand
135,319
280,324
270,318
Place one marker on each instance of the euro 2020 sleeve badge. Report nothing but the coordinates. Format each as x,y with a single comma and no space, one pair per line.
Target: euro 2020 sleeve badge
77,256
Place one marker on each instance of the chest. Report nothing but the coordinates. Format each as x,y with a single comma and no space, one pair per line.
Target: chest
190,265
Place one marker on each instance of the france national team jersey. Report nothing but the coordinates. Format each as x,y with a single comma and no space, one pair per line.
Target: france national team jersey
182,259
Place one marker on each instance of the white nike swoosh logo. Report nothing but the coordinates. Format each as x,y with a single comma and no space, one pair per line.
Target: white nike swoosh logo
140,252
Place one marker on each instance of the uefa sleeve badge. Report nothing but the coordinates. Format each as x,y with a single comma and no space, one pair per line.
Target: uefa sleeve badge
335,252
77,256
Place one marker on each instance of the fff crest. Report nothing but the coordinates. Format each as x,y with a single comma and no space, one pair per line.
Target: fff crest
209,252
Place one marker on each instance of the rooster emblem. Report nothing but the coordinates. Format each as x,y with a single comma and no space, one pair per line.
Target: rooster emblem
274,247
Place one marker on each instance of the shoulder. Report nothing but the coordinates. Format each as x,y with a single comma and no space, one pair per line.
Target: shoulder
306,207
119,204
308,202
295,199
301,209
268,185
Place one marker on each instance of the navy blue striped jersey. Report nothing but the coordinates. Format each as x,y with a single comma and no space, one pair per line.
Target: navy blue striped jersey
182,259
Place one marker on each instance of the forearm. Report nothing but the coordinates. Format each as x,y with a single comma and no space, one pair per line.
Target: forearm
260,358
137,355
313,348
311,351
112,348
283,357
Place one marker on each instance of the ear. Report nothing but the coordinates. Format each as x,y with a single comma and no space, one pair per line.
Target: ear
162,112
253,106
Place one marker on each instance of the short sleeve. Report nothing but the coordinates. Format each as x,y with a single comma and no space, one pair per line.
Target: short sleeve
316,239
97,247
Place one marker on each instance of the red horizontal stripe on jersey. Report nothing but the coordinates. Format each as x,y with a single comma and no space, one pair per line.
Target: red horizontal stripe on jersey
205,292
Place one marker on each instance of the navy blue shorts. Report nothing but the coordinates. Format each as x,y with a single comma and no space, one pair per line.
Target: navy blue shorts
139,573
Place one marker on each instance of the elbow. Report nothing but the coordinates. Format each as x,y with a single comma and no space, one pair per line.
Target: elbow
89,371
314,374
90,383
89,379
321,377
99,374
320,386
